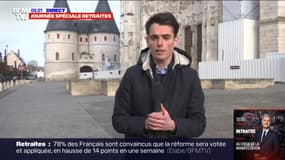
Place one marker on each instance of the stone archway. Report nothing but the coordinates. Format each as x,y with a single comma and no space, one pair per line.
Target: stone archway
86,72
85,69
85,55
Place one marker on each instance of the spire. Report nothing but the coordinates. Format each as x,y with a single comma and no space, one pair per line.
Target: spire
103,26
55,25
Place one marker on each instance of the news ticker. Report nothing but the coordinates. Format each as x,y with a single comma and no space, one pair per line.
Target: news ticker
24,14
81,148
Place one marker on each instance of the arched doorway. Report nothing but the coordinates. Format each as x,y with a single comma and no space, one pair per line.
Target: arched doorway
86,72
85,69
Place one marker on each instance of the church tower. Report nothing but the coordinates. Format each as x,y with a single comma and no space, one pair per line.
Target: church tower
132,32
104,40
60,47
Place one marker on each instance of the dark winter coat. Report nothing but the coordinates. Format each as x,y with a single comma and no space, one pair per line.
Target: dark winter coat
182,97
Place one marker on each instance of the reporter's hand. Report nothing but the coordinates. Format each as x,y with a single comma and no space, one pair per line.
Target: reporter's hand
160,121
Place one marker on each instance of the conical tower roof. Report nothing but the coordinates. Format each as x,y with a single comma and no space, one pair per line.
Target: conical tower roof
103,26
55,25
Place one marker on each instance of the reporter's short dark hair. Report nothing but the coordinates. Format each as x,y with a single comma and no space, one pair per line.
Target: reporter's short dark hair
165,18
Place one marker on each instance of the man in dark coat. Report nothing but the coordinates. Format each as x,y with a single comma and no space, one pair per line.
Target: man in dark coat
268,140
161,95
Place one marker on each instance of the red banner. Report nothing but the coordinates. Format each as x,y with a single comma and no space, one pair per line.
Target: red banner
72,16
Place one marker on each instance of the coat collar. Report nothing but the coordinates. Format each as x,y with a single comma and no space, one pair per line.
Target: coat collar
179,59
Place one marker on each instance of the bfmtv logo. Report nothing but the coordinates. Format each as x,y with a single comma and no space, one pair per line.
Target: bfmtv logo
21,14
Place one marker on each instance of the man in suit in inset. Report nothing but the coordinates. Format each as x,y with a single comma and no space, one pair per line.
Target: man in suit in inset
268,141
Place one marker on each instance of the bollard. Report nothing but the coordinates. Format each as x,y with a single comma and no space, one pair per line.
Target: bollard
14,82
1,86
4,85
9,83
67,84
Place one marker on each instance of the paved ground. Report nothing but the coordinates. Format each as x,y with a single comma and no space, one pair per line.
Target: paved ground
46,110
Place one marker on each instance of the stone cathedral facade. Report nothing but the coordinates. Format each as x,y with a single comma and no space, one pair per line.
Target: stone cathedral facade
199,21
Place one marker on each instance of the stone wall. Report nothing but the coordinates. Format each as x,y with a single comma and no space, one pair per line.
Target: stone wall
272,25
85,87
92,87
109,87
235,84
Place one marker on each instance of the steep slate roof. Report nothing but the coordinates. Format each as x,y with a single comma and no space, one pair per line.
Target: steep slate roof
81,26
103,26
55,25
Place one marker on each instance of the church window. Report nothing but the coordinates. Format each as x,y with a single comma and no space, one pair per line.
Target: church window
80,39
103,57
73,56
58,36
56,56
105,38
86,39
95,38
68,36
115,57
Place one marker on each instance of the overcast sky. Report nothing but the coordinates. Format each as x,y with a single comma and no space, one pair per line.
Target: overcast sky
28,36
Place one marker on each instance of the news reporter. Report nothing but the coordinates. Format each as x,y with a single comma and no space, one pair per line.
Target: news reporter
161,95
